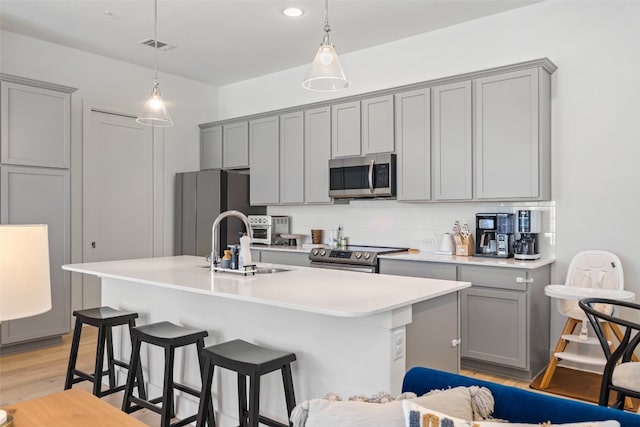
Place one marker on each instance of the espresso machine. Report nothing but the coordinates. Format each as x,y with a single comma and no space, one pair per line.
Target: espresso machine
529,225
494,235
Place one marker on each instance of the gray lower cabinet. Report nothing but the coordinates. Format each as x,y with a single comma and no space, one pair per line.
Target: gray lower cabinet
235,145
512,135
264,142
377,125
452,149
413,144
505,320
317,152
211,148
345,129
286,258
292,158
30,195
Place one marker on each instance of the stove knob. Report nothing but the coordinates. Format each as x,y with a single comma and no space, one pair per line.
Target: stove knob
367,255
314,252
323,252
358,255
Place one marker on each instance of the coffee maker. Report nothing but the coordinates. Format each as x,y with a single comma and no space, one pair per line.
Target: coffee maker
529,225
494,235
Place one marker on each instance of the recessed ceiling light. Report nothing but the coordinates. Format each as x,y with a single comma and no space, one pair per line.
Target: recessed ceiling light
293,11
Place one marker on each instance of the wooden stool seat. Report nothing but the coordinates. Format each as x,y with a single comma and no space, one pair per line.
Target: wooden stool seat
169,336
252,361
103,318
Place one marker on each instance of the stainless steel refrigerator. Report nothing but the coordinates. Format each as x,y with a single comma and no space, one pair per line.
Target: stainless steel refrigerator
199,199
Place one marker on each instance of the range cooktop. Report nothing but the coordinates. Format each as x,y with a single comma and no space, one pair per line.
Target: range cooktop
356,255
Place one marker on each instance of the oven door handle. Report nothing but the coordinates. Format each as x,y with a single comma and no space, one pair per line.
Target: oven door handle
343,267
371,175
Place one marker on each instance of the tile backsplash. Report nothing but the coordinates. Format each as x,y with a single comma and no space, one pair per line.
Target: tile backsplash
400,224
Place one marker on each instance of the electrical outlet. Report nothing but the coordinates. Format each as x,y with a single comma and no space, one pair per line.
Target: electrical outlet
398,344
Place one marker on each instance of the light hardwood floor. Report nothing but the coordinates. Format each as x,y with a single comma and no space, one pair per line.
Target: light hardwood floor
40,372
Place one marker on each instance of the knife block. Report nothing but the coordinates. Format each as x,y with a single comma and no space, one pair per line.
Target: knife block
466,247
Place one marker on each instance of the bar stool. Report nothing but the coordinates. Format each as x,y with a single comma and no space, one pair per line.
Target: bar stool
169,336
252,361
103,318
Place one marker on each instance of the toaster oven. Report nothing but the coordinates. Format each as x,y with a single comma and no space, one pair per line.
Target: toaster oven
268,229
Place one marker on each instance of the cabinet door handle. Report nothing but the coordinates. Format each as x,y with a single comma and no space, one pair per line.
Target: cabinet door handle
456,342
523,280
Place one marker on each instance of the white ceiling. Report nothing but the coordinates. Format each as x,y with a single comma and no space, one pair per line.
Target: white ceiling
224,41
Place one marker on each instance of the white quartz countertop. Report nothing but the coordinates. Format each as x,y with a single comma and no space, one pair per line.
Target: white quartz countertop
470,260
430,257
322,291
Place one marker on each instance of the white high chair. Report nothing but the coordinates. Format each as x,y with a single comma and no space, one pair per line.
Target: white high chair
595,274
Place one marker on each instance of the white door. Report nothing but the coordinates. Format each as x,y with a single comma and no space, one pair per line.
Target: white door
117,193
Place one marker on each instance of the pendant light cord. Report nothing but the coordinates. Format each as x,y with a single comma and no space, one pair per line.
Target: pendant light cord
326,39
155,38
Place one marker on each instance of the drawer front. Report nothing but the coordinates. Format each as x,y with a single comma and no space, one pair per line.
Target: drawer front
430,270
495,277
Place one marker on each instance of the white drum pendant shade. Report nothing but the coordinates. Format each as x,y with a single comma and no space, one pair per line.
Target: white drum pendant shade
25,283
154,112
326,74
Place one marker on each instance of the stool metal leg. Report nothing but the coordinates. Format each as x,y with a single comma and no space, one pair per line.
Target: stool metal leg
97,380
242,400
167,392
205,397
287,380
210,416
110,365
254,400
142,394
73,356
134,368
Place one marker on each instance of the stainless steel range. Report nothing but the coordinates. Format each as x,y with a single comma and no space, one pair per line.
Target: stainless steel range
352,258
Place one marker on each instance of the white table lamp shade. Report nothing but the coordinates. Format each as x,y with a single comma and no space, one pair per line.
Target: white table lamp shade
25,283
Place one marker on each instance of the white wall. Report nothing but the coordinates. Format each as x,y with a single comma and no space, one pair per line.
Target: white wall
595,111
117,86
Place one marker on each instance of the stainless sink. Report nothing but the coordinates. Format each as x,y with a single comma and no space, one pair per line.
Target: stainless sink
269,270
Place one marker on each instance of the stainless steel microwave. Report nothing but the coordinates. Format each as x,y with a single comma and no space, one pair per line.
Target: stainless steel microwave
366,176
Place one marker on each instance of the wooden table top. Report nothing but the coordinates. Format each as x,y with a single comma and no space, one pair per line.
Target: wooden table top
69,408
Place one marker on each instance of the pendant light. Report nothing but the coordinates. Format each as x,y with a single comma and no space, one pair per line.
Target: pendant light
326,73
154,112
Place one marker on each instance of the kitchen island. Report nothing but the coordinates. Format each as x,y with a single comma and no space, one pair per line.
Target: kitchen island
353,333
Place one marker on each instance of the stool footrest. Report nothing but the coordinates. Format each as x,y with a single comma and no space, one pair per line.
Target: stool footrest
271,422
140,403
187,389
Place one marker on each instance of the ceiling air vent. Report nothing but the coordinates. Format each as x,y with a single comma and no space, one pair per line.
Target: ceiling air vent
161,45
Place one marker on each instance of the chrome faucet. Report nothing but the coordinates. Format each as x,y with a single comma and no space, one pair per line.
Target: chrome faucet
214,259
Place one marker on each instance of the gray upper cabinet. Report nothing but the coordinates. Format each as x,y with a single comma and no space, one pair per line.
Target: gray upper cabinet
482,136
452,149
30,195
292,158
345,129
264,136
317,152
211,148
512,140
235,145
377,125
413,144
35,125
